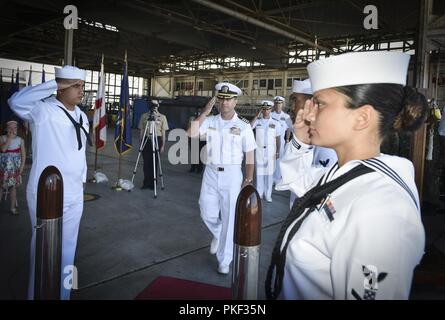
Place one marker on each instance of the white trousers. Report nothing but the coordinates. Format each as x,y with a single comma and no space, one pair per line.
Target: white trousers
264,185
217,202
277,173
72,212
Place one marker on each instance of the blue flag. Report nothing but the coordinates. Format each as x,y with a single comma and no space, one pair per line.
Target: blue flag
122,131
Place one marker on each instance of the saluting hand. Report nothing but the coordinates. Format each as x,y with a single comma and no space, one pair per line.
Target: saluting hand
67,83
209,106
301,125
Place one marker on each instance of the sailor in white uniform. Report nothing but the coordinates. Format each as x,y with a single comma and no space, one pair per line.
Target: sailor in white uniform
279,115
229,138
356,231
60,131
323,157
268,135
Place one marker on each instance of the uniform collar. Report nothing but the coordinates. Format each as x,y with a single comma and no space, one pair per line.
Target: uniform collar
235,117
60,104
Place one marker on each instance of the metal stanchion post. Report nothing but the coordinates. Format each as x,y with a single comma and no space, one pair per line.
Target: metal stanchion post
247,238
48,261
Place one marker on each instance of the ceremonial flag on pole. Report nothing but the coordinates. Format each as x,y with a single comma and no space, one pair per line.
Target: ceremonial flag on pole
122,132
30,75
43,73
100,114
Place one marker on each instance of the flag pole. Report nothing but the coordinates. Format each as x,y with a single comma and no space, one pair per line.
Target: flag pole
124,117
100,116
117,186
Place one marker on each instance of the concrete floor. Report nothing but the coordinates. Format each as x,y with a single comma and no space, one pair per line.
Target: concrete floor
127,239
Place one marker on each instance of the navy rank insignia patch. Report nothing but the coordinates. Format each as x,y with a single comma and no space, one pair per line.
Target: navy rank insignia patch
244,120
371,281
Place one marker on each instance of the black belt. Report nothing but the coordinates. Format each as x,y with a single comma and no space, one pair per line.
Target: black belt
78,126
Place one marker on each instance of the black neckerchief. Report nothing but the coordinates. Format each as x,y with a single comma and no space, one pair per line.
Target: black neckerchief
78,126
310,200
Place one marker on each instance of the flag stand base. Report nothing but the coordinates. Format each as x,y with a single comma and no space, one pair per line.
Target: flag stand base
117,187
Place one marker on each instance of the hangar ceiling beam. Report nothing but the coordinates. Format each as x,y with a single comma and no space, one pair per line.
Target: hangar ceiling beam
259,23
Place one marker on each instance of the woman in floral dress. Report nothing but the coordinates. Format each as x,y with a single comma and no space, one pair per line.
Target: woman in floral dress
12,162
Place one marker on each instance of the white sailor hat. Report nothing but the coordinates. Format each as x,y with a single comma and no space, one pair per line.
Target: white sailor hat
70,72
266,104
278,99
359,68
303,87
227,90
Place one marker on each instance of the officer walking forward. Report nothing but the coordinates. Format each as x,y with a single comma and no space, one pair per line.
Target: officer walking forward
229,137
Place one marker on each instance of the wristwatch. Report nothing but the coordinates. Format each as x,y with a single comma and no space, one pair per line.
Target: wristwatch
248,180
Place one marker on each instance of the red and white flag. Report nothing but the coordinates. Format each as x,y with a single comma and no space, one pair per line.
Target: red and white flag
100,114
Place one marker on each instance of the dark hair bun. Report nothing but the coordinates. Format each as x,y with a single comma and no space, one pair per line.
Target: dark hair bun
413,112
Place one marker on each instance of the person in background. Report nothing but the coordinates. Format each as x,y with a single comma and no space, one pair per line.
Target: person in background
283,118
161,127
12,162
268,136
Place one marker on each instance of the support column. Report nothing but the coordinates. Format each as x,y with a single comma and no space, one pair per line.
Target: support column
250,87
284,92
418,141
68,57
172,87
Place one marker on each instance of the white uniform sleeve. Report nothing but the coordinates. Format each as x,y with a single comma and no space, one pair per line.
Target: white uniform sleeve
205,125
297,172
279,129
376,254
27,103
289,124
254,124
325,157
249,143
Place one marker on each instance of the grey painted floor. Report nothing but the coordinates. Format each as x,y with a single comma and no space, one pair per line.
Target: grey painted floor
127,239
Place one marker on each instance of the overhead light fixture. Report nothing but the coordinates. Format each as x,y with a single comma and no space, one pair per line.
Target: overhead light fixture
253,48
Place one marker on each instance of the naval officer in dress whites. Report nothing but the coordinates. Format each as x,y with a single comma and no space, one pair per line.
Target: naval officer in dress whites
283,118
229,139
60,131
356,230
268,136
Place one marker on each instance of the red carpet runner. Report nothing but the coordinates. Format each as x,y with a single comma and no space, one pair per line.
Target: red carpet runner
168,288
